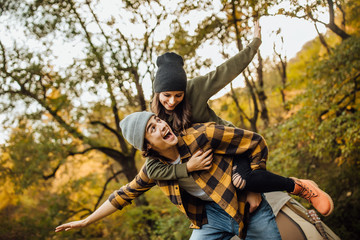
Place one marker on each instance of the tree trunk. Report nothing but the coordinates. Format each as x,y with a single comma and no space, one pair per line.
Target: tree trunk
332,26
261,92
253,119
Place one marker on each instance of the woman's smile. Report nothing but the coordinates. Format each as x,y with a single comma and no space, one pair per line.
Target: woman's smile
171,99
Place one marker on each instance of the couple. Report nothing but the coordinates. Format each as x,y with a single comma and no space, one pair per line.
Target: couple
208,171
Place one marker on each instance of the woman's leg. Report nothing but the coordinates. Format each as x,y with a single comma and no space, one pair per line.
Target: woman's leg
244,178
263,181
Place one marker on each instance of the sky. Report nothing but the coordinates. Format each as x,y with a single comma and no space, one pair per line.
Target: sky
296,33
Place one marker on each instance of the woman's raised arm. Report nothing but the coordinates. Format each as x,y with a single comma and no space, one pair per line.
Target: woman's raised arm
208,85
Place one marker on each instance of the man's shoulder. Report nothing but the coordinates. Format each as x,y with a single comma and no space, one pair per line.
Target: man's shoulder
195,137
199,127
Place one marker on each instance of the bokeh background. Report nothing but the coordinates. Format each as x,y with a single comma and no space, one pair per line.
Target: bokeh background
70,70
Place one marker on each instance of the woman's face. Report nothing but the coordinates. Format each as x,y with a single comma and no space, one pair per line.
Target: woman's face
159,135
171,99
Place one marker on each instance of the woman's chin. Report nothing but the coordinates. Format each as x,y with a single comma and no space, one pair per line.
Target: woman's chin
169,110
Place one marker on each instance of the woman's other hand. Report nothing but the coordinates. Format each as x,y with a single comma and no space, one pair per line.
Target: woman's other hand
257,30
200,161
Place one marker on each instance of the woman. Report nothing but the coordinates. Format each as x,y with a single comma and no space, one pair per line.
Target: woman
181,102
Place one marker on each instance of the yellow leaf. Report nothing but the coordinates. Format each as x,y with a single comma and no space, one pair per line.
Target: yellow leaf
5,156
339,161
54,94
339,140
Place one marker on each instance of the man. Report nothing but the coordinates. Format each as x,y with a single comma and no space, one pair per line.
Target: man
208,198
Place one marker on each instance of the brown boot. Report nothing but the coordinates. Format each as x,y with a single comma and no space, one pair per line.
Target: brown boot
310,191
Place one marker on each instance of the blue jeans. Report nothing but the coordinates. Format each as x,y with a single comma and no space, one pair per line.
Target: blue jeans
262,224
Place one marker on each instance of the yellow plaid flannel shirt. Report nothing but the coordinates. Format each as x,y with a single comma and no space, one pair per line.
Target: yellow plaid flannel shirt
216,182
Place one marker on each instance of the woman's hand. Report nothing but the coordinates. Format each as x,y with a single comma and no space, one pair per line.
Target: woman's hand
254,200
200,161
71,225
257,30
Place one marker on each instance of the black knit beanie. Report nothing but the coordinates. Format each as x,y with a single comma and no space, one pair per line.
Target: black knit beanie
170,75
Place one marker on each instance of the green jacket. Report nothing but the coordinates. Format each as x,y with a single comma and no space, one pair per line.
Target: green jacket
198,91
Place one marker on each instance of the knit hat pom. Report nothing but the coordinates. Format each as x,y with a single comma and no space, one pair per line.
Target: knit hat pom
170,75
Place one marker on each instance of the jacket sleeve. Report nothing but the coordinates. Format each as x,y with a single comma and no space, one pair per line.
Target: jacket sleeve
158,170
236,141
124,196
208,85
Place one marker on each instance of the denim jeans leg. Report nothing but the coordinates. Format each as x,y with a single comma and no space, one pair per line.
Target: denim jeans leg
262,224
220,225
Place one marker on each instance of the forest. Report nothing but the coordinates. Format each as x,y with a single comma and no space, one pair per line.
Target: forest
64,153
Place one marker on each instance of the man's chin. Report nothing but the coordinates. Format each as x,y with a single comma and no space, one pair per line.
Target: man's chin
173,141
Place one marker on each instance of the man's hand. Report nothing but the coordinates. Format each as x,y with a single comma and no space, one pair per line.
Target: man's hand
254,200
257,30
200,161
71,225
104,210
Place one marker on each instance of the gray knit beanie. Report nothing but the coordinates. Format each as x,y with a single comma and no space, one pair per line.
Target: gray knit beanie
170,75
133,128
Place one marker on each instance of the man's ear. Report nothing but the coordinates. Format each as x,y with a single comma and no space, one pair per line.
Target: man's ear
148,146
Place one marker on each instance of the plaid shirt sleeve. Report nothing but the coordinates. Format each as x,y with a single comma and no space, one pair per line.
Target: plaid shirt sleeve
140,184
236,141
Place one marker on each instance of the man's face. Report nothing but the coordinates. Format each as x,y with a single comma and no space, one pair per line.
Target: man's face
159,135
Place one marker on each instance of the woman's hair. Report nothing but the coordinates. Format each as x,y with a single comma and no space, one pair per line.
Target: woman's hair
181,115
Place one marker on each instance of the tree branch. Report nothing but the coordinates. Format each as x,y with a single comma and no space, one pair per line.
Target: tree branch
46,177
4,67
104,73
350,95
105,126
343,22
234,97
256,108
332,26
105,186
116,155
121,140
322,39
237,32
